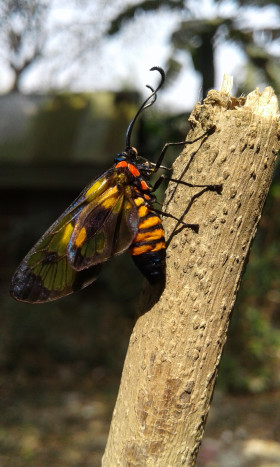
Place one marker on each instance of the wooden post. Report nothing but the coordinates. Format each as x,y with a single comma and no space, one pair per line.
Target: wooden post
175,348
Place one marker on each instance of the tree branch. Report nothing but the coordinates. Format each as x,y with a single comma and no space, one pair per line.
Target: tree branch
175,348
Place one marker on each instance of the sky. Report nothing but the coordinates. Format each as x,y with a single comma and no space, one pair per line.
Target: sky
124,60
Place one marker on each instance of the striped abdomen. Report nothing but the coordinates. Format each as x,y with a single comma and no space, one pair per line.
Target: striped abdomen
148,247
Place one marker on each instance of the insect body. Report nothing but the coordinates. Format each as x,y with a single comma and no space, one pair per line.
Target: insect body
113,214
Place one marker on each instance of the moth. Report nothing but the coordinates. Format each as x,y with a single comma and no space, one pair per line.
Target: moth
114,213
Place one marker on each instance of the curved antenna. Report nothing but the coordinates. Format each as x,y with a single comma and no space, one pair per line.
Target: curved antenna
147,103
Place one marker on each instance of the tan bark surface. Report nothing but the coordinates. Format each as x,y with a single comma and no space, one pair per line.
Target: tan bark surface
175,348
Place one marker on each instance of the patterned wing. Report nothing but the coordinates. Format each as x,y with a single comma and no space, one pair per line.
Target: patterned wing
45,273
103,230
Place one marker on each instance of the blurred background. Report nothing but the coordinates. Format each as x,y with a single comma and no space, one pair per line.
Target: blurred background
72,76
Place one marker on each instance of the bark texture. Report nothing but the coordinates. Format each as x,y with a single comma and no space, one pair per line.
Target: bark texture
175,348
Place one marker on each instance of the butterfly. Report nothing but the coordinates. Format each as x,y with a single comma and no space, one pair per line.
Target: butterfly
114,213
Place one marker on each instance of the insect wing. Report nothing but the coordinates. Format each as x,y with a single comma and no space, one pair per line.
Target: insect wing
103,230
45,273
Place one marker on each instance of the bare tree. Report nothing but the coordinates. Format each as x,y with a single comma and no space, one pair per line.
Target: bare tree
23,35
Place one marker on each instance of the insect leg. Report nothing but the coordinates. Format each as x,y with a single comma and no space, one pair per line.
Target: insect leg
217,188
180,143
194,227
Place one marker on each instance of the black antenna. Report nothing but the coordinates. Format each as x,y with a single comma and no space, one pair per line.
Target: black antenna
147,103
